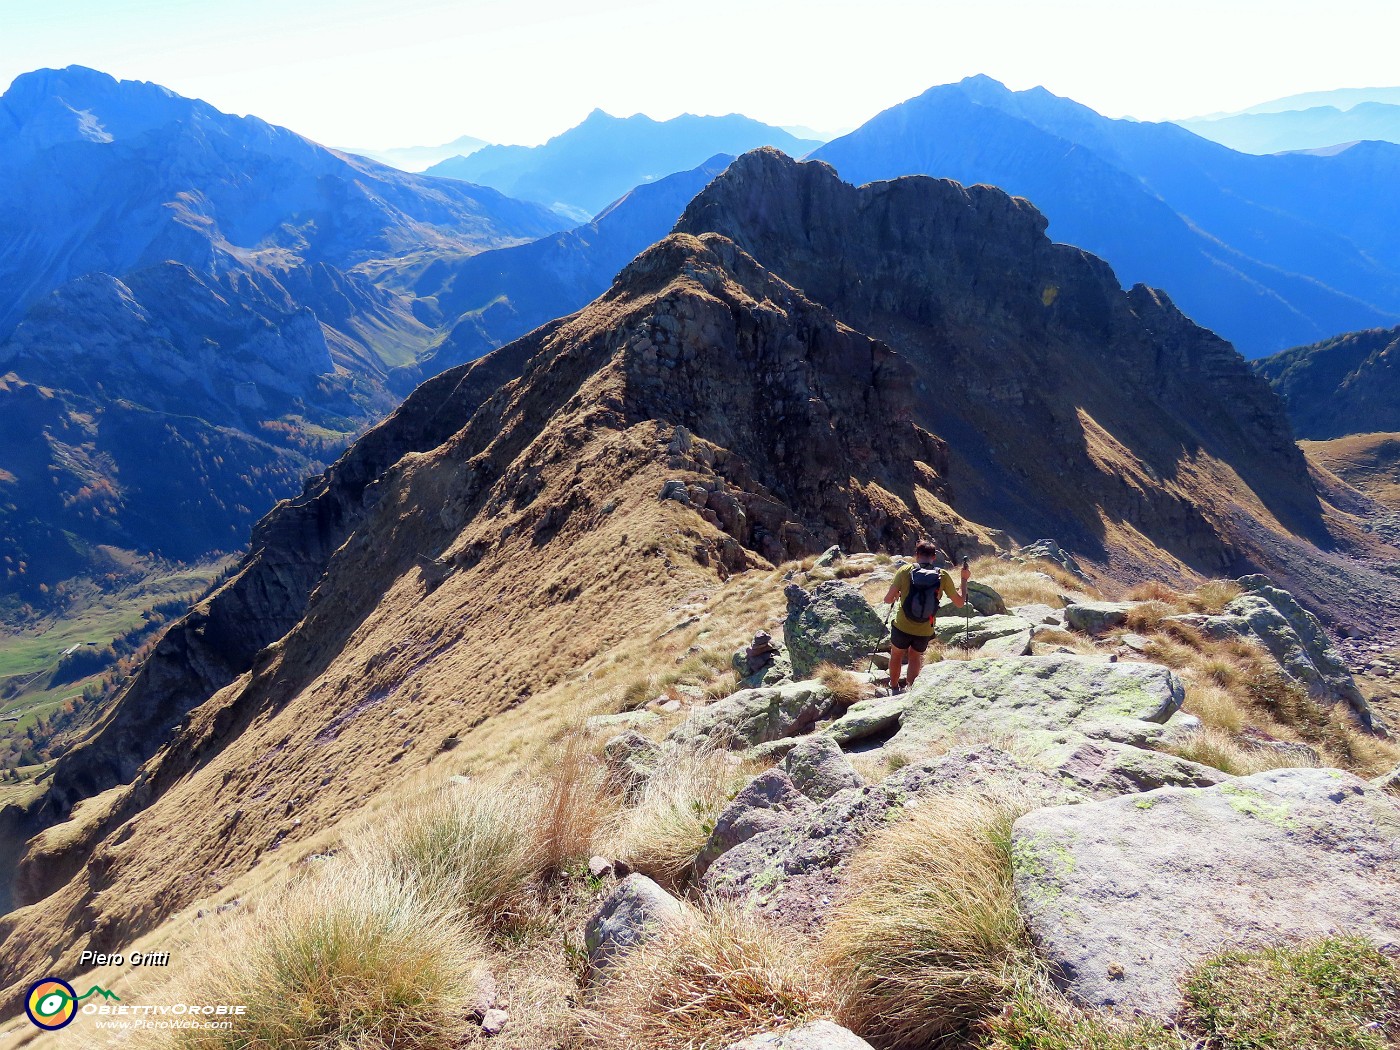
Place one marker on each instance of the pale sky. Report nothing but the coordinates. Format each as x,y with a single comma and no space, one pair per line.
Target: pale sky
373,74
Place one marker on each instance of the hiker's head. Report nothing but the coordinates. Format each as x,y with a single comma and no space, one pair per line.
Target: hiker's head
926,551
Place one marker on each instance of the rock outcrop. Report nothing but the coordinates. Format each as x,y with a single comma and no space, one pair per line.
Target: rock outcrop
832,623
636,911
1124,896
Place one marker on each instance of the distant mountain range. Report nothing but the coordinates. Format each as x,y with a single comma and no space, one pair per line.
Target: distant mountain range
500,295
1270,252
175,276
584,169
1306,122
417,158
1346,385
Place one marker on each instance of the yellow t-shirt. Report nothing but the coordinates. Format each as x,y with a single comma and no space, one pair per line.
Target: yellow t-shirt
908,626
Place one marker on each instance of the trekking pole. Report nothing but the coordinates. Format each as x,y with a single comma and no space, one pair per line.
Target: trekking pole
967,617
871,665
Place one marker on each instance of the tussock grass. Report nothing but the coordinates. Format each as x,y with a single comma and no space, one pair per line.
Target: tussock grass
707,983
474,846
843,686
664,832
636,693
927,940
576,805
1156,591
1212,596
1216,707
1337,993
1219,749
347,960
1149,615
1021,584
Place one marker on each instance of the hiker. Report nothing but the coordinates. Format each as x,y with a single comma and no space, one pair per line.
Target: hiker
918,588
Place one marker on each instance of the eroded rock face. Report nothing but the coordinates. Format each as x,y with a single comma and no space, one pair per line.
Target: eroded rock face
832,622
1123,897
793,872
770,801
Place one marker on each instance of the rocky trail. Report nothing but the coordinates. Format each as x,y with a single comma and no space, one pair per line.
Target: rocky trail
1137,854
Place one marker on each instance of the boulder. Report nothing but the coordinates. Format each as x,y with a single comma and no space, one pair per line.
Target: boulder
984,599
868,718
974,633
755,716
1041,614
792,873
832,622
817,1035
1294,637
828,557
632,914
1097,617
769,801
1049,550
631,759
1018,644
621,720
1107,768
819,769
1035,698
1124,897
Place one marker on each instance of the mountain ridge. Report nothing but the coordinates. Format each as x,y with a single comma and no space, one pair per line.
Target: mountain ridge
1266,251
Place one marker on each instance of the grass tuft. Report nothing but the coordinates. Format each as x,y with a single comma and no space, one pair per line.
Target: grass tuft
927,941
709,982
472,847
843,686
664,832
348,960
1043,1020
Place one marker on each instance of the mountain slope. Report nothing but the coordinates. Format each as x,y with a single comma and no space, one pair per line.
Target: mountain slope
594,163
501,294
417,158
1268,251
1346,385
540,508
165,261
1071,408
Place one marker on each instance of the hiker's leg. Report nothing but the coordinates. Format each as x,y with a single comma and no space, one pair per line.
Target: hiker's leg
916,664
896,665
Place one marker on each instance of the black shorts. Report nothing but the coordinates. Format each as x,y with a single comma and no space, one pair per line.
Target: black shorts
900,640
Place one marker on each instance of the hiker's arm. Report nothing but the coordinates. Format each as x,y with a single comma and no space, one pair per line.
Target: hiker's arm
893,595
966,575
958,600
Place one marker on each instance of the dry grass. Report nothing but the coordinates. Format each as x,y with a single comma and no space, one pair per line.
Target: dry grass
927,940
1026,584
1156,591
1149,615
1212,596
1217,708
577,805
707,983
1225,752
471,845
348,960
664,832
842,684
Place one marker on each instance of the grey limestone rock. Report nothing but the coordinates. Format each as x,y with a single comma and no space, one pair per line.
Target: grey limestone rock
1097,617
817,1035
769,801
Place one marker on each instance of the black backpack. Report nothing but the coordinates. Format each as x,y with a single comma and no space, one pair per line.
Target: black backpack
921,604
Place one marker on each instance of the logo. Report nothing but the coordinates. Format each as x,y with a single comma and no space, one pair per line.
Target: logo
53,1003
